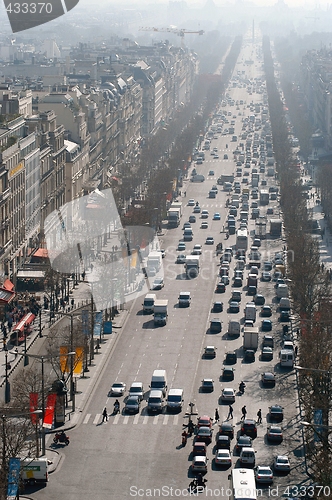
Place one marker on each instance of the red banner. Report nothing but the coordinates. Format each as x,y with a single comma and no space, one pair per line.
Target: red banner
33,397
49,411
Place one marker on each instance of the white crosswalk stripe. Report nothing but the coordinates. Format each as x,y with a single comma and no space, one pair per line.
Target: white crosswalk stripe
138,419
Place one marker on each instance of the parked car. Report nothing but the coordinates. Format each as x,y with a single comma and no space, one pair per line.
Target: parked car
274,434
263,474
281,464
276,413
249,428
268,379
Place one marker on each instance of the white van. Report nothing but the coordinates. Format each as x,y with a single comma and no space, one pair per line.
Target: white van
155,401
148,303
247,456
175,400
159,381
284,304
250,312
188,234
184,299
282,291
34,470
287,358
234,328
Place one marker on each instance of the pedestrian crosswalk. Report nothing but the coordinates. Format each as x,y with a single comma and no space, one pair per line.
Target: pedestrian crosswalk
138,419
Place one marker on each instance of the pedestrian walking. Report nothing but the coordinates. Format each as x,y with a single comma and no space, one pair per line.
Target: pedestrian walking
216,415
16,352
259,416
105,415
230,412
244,412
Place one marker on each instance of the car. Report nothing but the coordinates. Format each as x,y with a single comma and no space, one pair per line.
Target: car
181,259
132,404
204,214
181,246
207,385
223,442
217,307
211,172
204,421
216,156
204,434
236,296
268,341
199,449
215,150
199,161
225,156
268,379
266,325
267,265
158,284
197,209
231,358
215,325
191,202
274,434
223,458
284,316
204,225
192,219
216,216
270,211
259,299
266,276
243,442
281,463
266,311
136,389
267,354
237,282
210,351
228,373
234,307
228,395
199,464
221,287
197,250
263,474
226,429
209,240
252,290
249,356
249,428
225,279
276,413
186,225
118,389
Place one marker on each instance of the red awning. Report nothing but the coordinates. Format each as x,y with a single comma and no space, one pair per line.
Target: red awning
41,252
26,320
6,295
8,285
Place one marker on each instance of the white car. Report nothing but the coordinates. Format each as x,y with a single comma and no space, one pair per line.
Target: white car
281,463
228,395
263,474
197,250
158,284
191,202
118,389
223,457
204,214
204,225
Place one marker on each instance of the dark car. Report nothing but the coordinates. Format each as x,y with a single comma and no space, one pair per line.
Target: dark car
259,300
276,413
243,442
228,373
266,325
132,404
249,428
266,311
267,354
252,290
237,282
284,316
268,379
249,356
234,307
223,442
217,307
221,287
230,358
204,434
226,429
268,341
215,325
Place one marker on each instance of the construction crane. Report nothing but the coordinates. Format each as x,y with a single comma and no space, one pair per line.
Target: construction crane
177,31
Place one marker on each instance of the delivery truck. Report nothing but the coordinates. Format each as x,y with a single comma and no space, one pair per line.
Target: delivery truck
34,470
160,314
154,261
192,266
173,217
250,337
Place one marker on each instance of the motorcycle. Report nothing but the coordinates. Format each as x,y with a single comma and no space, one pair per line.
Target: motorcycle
116,409
197,484
61,437
242,387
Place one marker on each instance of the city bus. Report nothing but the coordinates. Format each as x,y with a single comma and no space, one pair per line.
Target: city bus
243,485
242,239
